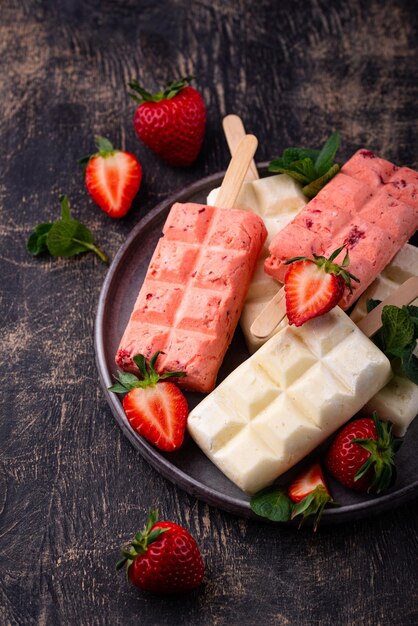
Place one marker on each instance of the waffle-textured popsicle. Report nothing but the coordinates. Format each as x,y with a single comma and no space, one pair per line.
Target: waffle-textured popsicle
371,207
277,200
195,286
287,398
398,400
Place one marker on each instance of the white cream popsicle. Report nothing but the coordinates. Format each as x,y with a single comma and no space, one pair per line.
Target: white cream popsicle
398,400
287,398
277,200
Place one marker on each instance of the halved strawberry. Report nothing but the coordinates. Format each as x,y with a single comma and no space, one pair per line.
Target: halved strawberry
315,286
156,410
310,493
112,177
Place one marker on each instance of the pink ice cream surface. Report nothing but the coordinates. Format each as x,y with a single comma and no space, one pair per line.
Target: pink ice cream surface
371,207
193,292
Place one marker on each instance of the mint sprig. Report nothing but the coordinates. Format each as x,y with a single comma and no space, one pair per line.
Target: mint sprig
272,503
36,244
398,336
65,237
311,168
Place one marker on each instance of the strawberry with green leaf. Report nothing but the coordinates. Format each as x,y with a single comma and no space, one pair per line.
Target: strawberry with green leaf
313,169
171,122
310,494
156,409
315,286
361,457
113,178
163,558
307,496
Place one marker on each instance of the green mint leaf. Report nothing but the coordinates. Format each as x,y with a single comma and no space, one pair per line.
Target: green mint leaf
305,167
326,157
410,364
372,304
272,503
413,314
297,154
398,330
68,237
276,169
65,209
315,186
36,243
311,168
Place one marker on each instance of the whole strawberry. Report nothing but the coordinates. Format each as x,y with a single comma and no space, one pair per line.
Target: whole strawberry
315,286
164,558
171,122
361,456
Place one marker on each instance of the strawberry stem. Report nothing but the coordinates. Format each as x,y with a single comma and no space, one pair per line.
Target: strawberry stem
329,266
381,460
170,90
313,504
150,377
94,249
141,541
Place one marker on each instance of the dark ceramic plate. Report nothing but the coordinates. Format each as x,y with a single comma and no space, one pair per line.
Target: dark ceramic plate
189,468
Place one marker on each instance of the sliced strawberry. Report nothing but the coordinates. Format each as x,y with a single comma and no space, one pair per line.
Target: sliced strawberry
113,178
314,286
310,493
310,292
156,410
158,413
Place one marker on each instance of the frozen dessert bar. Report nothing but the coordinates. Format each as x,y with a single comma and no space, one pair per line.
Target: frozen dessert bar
398,400
371,207
193,292
287,398
277,200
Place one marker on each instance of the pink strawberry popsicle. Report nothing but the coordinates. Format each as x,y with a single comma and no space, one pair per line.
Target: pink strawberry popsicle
194,291
371,207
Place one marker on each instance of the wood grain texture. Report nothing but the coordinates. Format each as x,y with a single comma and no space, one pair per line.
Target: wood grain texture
72,489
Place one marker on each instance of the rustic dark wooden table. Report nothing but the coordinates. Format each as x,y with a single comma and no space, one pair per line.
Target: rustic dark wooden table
72,489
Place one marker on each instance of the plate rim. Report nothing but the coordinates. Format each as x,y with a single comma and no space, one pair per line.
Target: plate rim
159,462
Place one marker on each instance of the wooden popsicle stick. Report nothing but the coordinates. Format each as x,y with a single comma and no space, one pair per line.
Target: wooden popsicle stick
235,174
275,310
272,314
404,295
234,131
